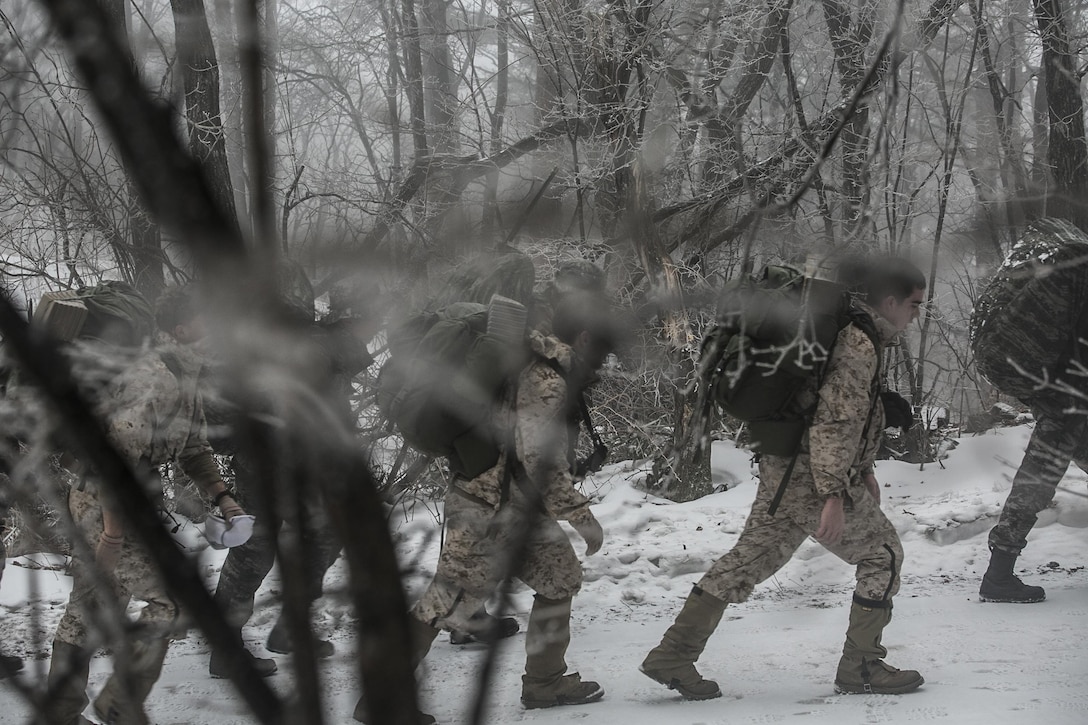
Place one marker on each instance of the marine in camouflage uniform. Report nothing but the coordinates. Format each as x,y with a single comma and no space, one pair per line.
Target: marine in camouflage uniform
338,347
505,522
831,476
1025,333
154,414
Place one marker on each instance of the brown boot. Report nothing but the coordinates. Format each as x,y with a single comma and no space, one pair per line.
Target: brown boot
672,663
69,669
422,635
121,701
862,668
545,682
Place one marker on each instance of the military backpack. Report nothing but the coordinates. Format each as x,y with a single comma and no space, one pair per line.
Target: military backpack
774,334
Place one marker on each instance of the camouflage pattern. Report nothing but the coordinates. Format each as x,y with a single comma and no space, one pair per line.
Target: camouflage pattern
545,433
155,414
1025,326
136,576
338,354
1056,440
838,449
482,528
246,566
845,432
1025,332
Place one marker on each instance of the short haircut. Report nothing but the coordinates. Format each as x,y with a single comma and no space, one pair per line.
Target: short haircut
176,305
875,278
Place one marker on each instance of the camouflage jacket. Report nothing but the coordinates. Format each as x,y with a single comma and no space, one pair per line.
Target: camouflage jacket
841,444
545,420
154,412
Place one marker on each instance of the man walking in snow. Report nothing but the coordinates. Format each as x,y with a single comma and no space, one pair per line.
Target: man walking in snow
529,489
1026,332
153,413
832,494
338,348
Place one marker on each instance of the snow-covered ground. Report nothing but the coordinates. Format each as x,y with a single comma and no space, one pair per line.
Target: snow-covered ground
774,656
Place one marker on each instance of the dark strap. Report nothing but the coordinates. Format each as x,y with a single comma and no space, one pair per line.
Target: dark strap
588,420
865,323
778,494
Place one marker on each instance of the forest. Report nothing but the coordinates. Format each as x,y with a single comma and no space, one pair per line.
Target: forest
383,147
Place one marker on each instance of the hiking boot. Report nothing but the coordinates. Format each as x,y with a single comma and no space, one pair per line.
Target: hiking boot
359,715
69,669
672,663
1000,584
279,641
10,664
862,668
485,629
877,677
219,665
567,690
545,682
121,701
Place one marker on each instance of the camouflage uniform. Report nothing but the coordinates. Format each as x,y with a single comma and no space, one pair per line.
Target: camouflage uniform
339,355
154,414
837,449
1024,333
481,528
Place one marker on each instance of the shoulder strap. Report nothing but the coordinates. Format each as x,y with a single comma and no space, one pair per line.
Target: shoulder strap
865,323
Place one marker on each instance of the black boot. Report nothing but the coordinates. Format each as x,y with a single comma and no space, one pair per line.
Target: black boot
1000,584
9,665
422,635
222,667
279,641
69,669
485,629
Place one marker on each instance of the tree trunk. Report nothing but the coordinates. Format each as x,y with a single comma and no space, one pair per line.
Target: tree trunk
849,40
144,233
440,84
683,472
224,37
1068,152
200,76
413,68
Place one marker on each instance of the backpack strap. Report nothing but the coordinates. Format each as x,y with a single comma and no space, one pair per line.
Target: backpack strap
864,322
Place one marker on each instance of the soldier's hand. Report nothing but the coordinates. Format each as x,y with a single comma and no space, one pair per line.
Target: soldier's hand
589,529
230,508
108,551
872,486
832,522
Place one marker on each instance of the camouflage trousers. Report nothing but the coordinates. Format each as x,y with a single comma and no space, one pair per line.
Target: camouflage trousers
246,566
1056,440
476,555
136,577
767,542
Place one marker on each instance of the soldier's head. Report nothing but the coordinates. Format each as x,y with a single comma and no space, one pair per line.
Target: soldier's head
587,323
892,286
578,275
178,314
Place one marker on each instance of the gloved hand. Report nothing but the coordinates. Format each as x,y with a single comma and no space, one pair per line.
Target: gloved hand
587,526
108,551
898,413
